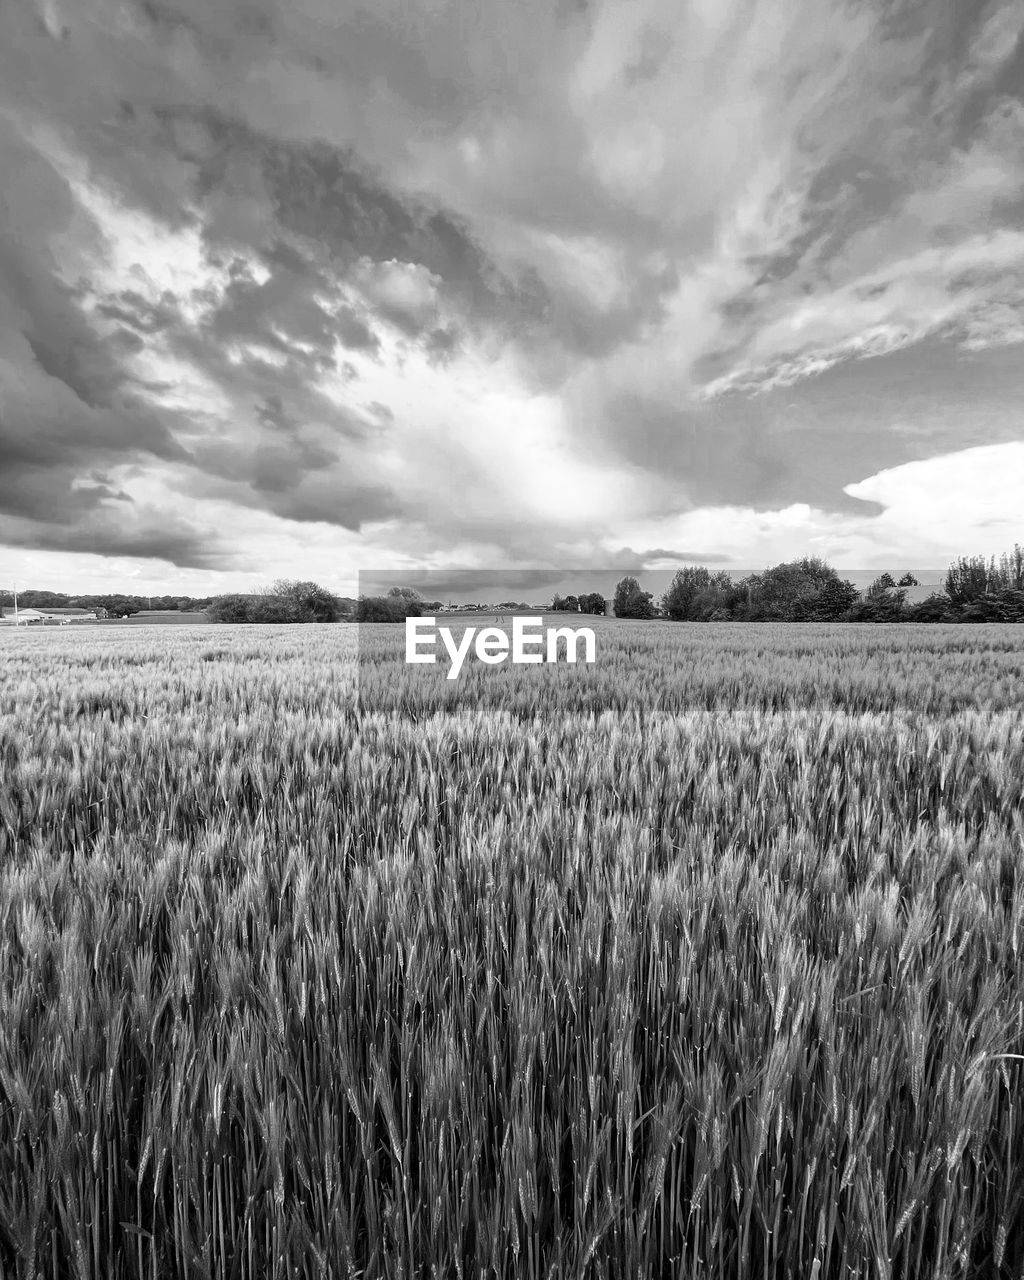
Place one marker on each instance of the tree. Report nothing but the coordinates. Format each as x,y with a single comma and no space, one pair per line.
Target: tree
404,593
565,604
1012,567
677,602
883,601
631,601
908,580
970,578
593,602
1008,575
884,588
966,579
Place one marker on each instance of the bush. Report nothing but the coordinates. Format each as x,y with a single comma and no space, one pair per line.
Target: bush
694,592
807,590
307,601
285,601
1002,606
230,608
387,609
885,606
936,608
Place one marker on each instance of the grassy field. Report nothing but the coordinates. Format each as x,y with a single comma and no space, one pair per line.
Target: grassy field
704,961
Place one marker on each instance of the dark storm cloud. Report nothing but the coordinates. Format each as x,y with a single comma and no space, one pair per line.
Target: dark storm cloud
353,331
31,491
284,457
269,480
149,538
258,192
333,502
70,402
54,428
59,371
67,403
328,215
86,524
293,459
278,313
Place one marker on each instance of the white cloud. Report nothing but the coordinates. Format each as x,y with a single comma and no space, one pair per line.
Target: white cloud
406,288
469,442
887,309
966,501
587,268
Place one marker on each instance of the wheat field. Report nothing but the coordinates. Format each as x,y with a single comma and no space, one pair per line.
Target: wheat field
704,961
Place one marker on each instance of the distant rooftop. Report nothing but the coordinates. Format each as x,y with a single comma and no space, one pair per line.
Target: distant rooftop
61,611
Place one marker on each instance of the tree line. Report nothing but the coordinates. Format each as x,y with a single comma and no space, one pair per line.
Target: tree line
810,590
805,590
288,601
110,604
593,603
283,601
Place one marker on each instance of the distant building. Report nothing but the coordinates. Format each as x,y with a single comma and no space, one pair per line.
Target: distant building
25,617
45,617
921,592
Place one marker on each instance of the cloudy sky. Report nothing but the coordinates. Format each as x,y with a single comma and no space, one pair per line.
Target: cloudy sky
304,287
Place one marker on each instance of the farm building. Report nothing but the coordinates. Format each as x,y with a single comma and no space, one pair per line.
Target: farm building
46,617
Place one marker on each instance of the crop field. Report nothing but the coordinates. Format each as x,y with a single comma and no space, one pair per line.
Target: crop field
706,960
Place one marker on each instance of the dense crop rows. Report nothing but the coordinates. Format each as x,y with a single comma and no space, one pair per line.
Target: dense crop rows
707,960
